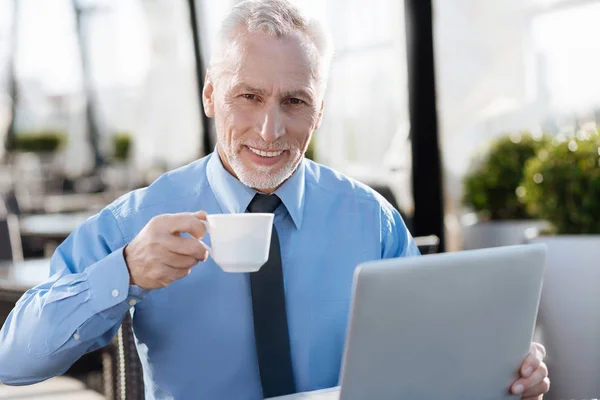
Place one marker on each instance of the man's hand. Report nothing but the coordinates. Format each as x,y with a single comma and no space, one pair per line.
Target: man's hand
534,382
159,255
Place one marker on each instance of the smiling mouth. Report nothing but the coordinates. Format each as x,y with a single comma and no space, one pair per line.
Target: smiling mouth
266,154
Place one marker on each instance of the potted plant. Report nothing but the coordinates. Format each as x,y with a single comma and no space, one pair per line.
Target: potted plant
41,142
36,158
310,150
562,186
119,174
121,146
499,217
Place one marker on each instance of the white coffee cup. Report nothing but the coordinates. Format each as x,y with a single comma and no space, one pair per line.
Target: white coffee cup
239,242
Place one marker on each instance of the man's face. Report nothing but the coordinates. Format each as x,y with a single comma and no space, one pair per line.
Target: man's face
266,103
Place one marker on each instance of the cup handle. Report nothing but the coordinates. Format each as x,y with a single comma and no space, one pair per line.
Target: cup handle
207,247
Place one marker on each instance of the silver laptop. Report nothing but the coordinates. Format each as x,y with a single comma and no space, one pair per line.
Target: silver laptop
446,326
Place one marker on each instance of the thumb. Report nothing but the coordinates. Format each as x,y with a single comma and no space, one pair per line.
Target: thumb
200,215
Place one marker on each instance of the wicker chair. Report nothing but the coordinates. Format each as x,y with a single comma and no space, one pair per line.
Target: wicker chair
123,376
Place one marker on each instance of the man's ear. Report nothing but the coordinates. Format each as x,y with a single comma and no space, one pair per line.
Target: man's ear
208,96
320,117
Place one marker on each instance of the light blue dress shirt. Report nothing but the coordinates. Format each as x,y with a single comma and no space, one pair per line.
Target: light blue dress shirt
195,337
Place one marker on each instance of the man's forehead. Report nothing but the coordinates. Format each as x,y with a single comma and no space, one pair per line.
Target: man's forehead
261,60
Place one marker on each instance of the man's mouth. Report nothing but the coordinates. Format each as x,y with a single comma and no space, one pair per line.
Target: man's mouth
266,154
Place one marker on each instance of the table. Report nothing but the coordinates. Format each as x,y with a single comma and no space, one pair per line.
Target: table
56,387
323,394
427,244
52,226
76,202
17,278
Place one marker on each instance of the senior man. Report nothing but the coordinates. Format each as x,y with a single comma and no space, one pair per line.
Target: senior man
203,333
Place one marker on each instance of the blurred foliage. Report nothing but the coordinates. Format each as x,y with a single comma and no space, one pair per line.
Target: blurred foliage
47,141
310,150
121,146
562,184
491,188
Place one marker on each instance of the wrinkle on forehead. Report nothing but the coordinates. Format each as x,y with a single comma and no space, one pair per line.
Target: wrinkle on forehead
294,52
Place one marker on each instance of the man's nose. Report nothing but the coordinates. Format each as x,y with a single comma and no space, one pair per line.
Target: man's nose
272,125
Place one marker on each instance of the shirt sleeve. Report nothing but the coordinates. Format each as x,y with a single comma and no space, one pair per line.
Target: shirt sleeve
396,240
77,310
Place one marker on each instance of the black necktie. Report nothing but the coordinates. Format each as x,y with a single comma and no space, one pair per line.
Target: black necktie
270,320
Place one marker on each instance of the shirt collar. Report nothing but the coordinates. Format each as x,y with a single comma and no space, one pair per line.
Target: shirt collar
233,196
291,194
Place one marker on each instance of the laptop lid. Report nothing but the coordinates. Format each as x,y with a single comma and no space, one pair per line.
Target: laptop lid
445,326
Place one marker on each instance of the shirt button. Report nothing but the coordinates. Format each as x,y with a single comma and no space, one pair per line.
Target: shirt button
132,302
115,293
76,336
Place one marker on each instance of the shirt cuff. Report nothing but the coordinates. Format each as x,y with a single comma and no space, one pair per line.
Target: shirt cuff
108,281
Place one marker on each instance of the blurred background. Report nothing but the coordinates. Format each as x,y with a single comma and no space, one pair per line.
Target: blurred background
457,111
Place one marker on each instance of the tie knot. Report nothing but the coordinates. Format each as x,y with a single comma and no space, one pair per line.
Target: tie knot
264,203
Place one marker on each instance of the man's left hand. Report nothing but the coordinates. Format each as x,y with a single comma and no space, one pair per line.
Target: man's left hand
534,382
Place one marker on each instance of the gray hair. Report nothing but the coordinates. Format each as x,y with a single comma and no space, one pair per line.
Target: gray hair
278,18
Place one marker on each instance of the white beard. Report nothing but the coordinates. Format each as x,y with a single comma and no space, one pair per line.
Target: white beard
261,177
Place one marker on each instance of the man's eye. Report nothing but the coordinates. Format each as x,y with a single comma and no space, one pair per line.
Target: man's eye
249,96
295,101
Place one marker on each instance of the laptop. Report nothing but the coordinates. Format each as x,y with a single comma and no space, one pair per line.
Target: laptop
444,326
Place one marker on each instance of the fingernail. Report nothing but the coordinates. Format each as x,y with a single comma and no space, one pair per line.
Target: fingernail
537,377
527,371
518,389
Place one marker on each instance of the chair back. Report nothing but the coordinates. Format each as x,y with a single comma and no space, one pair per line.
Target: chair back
123,372
10,238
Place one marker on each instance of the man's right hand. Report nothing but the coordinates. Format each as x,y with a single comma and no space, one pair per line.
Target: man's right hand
159,256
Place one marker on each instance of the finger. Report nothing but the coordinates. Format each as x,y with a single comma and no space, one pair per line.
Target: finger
186,247
183,223
524,385
530,364
175,260
539,350
201,215
536,392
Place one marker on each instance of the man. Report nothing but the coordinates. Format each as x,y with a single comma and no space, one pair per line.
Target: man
204,333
